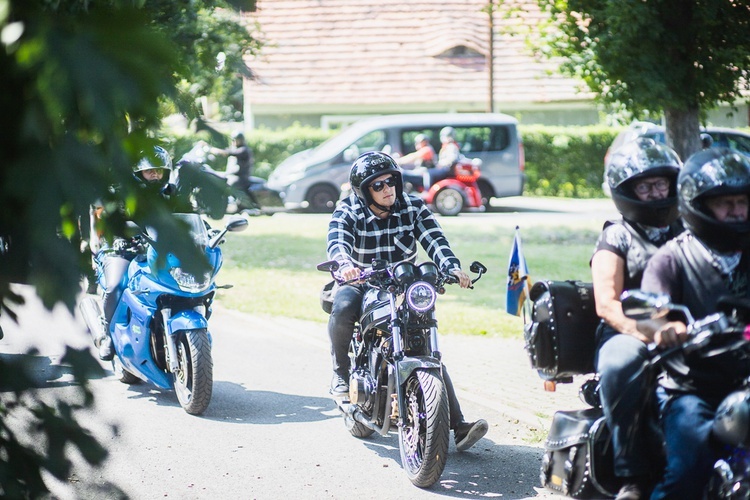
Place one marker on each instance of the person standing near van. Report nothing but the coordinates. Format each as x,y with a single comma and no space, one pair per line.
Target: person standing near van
244,156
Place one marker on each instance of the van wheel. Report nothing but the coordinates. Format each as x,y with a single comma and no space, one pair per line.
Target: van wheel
321,199
487,193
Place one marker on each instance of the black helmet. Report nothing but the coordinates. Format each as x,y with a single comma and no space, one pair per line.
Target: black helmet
238,137
714,172
159,159
368,167
633,162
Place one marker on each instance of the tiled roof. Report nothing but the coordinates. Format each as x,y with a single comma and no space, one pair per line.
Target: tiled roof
386,54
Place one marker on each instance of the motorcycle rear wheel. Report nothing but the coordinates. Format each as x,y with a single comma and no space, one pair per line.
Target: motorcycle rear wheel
357,429
423,440
122,374
194,379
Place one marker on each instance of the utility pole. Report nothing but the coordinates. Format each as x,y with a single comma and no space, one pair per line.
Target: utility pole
490,9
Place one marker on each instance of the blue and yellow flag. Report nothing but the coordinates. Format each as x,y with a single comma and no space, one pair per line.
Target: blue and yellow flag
518,278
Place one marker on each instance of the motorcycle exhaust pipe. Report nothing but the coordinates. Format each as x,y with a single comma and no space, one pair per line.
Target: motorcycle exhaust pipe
353,412
92,313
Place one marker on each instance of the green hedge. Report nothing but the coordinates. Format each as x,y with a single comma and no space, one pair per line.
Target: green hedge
566,161
560,161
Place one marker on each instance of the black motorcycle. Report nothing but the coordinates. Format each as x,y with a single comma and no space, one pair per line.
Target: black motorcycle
578,460
396,375
252,196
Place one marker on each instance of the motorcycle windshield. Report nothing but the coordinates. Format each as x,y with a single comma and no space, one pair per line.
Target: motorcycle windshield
195,223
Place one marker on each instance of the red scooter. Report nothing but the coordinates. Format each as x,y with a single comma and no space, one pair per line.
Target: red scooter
459,191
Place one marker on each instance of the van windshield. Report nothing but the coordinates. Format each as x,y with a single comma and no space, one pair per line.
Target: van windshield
353,135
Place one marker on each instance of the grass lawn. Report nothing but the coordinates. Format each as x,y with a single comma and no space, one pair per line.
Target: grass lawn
272,267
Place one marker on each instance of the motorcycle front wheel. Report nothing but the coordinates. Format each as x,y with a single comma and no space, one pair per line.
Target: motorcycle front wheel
423,439
194,378
449,202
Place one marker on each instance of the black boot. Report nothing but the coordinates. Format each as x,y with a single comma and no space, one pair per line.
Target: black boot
467,434
104,344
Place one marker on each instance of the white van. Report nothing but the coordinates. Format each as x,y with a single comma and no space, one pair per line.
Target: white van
312,179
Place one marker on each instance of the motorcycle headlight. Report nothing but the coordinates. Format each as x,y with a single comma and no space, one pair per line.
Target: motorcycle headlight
189,282
421,296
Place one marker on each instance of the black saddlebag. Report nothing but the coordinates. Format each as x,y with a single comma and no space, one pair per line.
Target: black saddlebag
578,455
561,336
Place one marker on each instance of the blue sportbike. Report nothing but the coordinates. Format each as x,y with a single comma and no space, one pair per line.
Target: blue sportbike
159,329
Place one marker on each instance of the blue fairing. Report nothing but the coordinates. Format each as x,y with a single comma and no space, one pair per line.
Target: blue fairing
150,289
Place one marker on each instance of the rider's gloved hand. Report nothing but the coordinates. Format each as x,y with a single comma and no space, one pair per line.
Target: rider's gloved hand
120,245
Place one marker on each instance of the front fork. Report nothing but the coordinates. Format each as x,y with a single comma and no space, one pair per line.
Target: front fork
170,342
172,364
403,367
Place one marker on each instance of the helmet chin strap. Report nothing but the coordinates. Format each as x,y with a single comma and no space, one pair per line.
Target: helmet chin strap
382,208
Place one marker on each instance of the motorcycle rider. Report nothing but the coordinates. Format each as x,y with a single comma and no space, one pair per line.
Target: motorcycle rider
642,178
708,261
152,172
423,155
379,221
421,159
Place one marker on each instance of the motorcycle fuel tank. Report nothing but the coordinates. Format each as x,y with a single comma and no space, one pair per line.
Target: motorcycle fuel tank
376,310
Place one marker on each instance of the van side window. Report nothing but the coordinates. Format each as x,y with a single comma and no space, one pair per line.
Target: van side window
374,141
408,135
482,139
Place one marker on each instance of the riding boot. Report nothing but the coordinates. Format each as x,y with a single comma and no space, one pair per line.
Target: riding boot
104,343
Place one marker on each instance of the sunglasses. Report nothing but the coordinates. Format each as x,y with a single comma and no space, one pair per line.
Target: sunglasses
380,185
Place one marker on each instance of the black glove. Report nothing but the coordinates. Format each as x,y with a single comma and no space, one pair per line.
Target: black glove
120,245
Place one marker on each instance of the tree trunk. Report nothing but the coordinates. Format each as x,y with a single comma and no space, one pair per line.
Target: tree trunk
683,131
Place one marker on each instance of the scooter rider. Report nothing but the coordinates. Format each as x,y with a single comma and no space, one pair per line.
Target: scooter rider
421,160
642,177
708,261
152,171
450,153
379,221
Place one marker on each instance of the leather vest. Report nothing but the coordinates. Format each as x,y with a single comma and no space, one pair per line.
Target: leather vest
702,286
640,250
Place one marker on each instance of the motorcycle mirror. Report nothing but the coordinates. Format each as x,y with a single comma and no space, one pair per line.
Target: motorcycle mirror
477,267
640,305
329,266
237,224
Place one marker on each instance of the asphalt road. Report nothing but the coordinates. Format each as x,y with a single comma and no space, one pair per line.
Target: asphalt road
271,430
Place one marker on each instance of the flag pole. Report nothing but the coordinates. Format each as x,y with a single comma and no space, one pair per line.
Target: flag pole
526,307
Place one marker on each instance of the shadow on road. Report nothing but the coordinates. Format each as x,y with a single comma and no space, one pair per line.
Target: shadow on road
487,470
43,372
235,403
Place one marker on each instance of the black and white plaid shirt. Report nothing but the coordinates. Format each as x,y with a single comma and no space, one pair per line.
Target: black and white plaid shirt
356,236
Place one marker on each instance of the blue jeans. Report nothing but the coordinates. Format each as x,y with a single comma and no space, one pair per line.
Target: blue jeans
626,389
686,421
